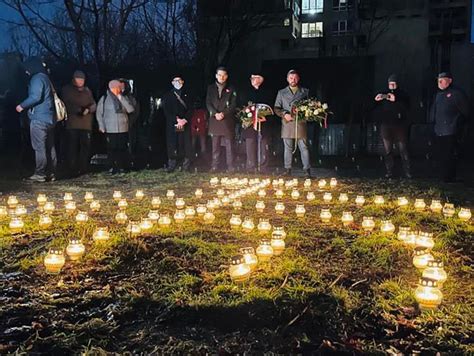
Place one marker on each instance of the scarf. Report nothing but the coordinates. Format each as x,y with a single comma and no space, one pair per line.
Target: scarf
220,88
118,107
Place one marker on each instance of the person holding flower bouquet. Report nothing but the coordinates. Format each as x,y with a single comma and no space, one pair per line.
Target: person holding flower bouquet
292,128
256,94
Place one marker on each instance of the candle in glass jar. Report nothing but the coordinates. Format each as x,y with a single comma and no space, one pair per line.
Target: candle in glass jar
264,250
248,225
180,203
209,217
198,193
164,221
201,209
307,183
327,197
322,183
75,249
421,257
12,201
368,223
237,204
45,221
214,181
325,215
95,205
139,194
121,217
170,194
235,221
260,206
333,182
428,295
465,214
379,200
295,194
347,218
343,198
424,239
436,206
54,261
403,232
3,211
250,257
300,210
16,225
117,195
190,212
310,196
262,193
420,204
41,199
279,193
264,226
449,210
146,225
122,204
402,202
49,207
81,217
220,193
101,234
239,271
70,207
434,270
179,216
153,215
20,210
279,208
155,202
88,197
387,226
134,229
68,197
360,200
278,244
225,200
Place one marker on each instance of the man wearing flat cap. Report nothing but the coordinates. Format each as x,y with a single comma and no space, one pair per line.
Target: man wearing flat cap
448,112
291,130
392,115
80,107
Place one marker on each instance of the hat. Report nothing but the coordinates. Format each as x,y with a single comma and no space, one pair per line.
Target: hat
445,75
392,78
114,84
79,74
292,71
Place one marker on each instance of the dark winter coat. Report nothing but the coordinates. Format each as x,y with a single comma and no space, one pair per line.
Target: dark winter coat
225,103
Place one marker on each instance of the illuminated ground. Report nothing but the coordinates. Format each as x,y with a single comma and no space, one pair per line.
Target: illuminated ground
333,289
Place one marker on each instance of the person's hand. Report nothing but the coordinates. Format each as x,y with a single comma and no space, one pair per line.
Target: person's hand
85,111
262,119
102,130
379,97
288,117
219,116
19,108
391,97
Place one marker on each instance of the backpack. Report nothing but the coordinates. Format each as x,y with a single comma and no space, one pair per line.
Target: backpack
60,107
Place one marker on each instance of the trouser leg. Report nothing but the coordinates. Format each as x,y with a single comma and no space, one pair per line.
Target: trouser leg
288,152
303,146
388,149
251,151
84,150
216,151
229,152
38,142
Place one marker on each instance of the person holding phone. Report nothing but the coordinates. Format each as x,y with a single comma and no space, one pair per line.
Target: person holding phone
392,114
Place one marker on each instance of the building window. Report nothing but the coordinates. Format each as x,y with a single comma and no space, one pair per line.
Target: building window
311,29
341,5
312,6
286,22
341,27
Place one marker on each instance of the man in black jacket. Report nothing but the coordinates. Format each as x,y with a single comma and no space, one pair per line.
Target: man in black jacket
392,108
177,109
448,111
256,94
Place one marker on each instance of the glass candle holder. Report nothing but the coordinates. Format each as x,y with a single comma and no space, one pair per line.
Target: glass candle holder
295,194
237,204
333,182
146,225
279,208
20,210
82,217
101,234
278,244
68,197
41,199
424,239
190,212
264,226
465,214
300,210
239,271
170,194
379,200
49,207
260,206
387,227
360,200
235,221
54,261
155,202
12,202
209,217
117,195
198,193
70,207
16,225
220,192
3,212
121,217
214,181
134,229
322,183
180,203
122,204
435,270
139,194
201,209
45,221
164,221
310,196
347,218
179,216
250,257
262,193
75,249
420,204
325,215
343,198
88,197
449,210
368,223
436,206
154,215
94,205
428,295
421,257
248,225
264,250
402,202
403,232
327,197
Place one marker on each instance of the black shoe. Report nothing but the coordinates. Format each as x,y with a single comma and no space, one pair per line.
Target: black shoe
186,165
36,178
307,173
389,176
171,166
408,175
230,170
213,170
51,178
287,172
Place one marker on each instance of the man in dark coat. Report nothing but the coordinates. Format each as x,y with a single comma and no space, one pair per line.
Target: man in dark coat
392,111
221,102
448,111
256,94
80,106
177,108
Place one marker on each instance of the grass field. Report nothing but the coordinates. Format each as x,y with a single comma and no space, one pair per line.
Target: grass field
334,289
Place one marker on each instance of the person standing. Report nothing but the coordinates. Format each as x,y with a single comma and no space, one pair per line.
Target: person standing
221,102
42,119
112,114
292,129
256,94
80,107
133,118
448,111
392,113
177,109
199,127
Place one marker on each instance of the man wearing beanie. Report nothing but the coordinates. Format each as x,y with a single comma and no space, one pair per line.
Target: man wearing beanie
392,114
42,117
112,114
448,112
80,107
178,108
